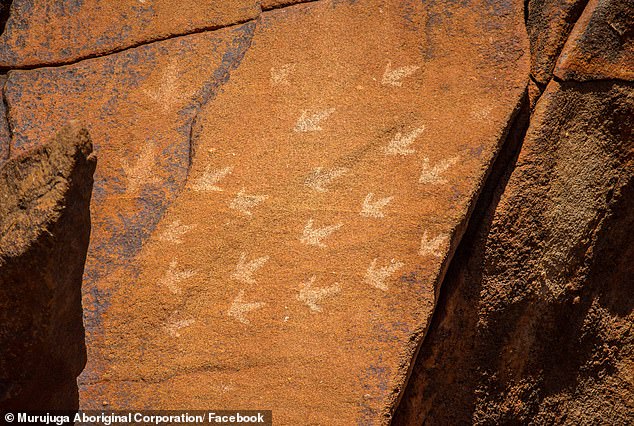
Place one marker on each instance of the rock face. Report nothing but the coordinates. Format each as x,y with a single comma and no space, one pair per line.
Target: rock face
44,232
534,322
50,32
535,319
275,205
601,45
283,186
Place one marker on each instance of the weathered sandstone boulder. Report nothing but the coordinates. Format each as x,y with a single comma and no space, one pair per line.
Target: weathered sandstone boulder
44,233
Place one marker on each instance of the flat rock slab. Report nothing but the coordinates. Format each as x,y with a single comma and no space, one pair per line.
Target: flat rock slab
139,106
294,188
41,32
601,44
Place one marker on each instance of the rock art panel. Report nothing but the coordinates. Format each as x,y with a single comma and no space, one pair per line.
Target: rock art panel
139,106
273,279
48,32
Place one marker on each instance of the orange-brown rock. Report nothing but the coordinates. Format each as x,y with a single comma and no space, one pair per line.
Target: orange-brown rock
534,320
283,184
5,133
601,45
534,325
42,32
139,106
548,23
44,232
277,201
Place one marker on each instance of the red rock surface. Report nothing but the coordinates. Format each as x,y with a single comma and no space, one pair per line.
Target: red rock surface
534,322
282,186
547,272
601,45
49,32
307,135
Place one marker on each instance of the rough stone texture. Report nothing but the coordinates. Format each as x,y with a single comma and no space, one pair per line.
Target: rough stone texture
41,32
139,106
5,133
335,349
548,23
278,202
419,119
272,4
44,232
535,318
535,322
601,45
5,6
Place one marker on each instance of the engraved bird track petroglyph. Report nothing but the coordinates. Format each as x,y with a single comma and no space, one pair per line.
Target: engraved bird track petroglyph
401,144
313,236
239,308
245,270
210,179
432,174
244,203
311,122
280,75
394,77
174,325
142,172
434,246
173,276
374,209
169,88
319,179
376,276
311,296
174,231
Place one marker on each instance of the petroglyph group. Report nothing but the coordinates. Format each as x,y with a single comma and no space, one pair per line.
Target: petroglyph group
315,232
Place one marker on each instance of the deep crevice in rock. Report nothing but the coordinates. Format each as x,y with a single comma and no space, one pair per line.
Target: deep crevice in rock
44,235
6,132
480,218
463,360
5,10
285,5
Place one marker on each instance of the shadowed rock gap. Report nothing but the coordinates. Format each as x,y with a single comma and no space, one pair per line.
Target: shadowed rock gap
44,233
471,248
267,8
5,10
463,360
480,218
5,126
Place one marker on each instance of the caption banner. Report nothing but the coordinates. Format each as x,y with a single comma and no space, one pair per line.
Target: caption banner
107,418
